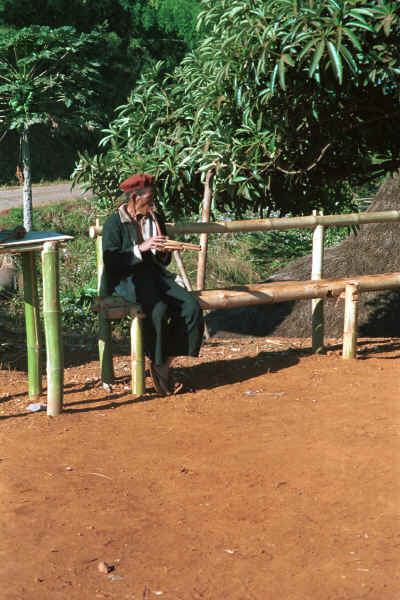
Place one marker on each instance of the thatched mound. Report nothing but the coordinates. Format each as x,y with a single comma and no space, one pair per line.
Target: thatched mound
375,249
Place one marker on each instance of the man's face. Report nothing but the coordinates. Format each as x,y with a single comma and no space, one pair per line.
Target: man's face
144,201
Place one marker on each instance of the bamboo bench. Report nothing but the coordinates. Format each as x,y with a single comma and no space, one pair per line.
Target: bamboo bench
115,307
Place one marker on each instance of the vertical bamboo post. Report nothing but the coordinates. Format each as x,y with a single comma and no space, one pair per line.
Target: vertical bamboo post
52,325
350,321
33,341
105,336
137,356
317,304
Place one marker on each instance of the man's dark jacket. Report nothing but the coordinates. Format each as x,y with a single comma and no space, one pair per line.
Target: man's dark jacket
118,250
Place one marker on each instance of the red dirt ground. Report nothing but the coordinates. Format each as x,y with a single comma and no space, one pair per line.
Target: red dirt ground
278,479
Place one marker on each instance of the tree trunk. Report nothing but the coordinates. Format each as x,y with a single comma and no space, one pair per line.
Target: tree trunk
27,193
205,217
202,261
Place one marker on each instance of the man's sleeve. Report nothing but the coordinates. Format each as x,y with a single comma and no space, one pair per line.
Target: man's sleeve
117,260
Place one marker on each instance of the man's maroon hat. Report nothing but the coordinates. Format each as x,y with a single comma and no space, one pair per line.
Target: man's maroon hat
137,182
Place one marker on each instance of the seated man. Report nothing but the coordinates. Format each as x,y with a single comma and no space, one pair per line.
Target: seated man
134,263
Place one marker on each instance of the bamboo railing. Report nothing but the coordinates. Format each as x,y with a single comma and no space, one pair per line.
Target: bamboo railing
317,289
307,222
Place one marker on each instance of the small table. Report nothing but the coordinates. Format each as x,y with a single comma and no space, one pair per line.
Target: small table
48,243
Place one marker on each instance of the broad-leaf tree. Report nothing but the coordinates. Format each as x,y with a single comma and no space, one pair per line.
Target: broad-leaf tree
47,76
290,102
141,30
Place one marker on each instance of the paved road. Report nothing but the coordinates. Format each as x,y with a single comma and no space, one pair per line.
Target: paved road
41,194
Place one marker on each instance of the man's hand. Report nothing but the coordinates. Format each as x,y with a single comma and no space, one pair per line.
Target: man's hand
157,243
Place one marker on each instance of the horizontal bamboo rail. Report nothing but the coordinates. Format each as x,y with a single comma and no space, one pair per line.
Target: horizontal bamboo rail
307,222
285,291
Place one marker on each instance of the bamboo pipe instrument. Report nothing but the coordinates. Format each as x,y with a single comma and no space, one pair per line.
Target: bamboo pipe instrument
97,230
175,245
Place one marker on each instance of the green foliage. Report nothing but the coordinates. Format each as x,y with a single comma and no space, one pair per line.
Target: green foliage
135,31
76,306
49,76
131,35
175,17
290,103
101,176
52,158
124,17
78,270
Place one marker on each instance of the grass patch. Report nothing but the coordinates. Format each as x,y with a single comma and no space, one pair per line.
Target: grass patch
78,271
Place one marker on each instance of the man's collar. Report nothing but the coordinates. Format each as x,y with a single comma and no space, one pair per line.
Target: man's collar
126,217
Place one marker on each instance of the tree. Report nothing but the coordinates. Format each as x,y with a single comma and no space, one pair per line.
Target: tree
140,29
291,102
136,33
47,76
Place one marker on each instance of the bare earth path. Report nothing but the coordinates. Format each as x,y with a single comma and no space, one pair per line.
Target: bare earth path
279,479
41,194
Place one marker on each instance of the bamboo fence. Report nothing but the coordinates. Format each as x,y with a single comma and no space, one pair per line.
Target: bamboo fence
317,289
